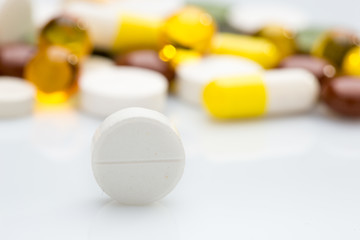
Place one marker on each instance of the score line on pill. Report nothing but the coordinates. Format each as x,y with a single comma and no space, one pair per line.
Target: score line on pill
137,156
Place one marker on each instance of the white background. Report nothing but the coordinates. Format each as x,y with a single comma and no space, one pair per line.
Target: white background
274,178
294,177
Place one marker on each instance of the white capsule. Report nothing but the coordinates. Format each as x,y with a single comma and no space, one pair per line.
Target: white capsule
137,156
195,75
251,18
153,8
290,90
274,92
101,21
16,97
16,24
108,89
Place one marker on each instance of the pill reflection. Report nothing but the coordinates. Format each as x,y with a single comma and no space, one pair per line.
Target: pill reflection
115,221
56,134
257,140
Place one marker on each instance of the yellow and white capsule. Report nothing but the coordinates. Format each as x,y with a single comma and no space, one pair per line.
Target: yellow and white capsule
283,91
117,31
193,76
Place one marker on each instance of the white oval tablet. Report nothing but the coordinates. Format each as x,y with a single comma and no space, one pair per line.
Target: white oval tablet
195,75
137,156
108,89
16,97
250,18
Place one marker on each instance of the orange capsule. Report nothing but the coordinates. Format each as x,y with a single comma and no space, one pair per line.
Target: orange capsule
54,71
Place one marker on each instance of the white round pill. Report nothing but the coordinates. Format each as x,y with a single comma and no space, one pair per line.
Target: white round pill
137,156
108,89
250,18
16,97
195,75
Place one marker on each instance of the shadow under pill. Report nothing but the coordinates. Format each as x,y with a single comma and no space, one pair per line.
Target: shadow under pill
117,221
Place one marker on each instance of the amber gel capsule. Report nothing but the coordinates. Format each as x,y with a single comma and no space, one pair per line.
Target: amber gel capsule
306,38
281,37
351,63
334,45
177,56
53,71
186,35
67,32
190,28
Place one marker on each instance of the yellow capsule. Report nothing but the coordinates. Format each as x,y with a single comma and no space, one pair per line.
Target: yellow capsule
257,49
136,32
53,70
333,45
114,31
190,28
178,56
351,64
282,38
230,98
66,32
273,92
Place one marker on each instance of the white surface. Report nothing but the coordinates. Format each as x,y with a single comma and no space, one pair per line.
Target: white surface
107,89
193,76
137,156
269,179
250,18
16,97
290,90
274,178
323,12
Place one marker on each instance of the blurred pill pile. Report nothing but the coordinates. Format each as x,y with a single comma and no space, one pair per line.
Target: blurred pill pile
230,61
